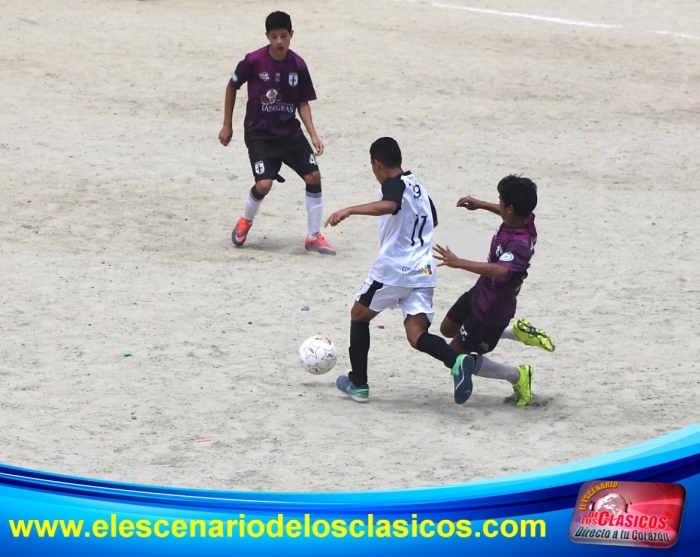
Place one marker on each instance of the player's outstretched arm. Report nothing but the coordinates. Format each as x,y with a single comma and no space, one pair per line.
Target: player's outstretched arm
449,259
472,204
374,209
226,132
305,115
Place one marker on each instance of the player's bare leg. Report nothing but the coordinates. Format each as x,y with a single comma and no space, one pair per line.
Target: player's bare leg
314,212
355,383
449,328
255,198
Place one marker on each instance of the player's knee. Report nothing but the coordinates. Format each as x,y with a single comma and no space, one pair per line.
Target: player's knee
356,312
413,337
359,312
447,328
415,330
313,178
261,189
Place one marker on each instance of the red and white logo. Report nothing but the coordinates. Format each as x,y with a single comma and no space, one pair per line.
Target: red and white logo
271,97
635,514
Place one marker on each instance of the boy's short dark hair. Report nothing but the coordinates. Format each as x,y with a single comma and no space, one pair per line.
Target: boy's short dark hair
520,192
278,20
387,151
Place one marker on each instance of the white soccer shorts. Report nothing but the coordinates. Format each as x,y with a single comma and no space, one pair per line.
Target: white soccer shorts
412,301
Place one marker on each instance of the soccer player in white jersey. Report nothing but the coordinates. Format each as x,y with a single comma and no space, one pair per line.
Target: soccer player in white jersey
403,274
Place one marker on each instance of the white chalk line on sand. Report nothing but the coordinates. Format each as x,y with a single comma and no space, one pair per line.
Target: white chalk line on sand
559,20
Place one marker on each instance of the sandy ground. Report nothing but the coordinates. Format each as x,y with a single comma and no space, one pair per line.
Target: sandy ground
118,204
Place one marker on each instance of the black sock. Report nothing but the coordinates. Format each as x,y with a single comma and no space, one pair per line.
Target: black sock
359,348
436,347
313,189
255,193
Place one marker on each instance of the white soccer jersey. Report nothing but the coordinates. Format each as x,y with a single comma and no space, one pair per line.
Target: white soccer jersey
405,252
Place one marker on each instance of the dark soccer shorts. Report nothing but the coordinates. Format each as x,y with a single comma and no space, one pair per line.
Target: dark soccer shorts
473,336
267,156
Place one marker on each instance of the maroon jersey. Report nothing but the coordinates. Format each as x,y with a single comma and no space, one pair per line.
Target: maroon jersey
275,90
494,301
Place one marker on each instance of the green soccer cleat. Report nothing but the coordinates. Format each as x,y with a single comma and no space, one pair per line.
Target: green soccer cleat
527,334
523,388
462,376
358,394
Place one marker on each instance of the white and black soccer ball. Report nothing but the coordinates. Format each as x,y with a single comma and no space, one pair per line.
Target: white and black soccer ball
317,355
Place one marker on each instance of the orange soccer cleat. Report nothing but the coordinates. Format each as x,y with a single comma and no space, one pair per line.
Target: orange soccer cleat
240,232
320,245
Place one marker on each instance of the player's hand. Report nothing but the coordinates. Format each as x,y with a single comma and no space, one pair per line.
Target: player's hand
336,218
318,145
448,258
470,203
225,135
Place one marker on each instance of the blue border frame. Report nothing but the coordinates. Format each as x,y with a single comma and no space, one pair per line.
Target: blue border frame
548,494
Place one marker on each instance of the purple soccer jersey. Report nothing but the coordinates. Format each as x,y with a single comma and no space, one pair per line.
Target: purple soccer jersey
275,90
494,301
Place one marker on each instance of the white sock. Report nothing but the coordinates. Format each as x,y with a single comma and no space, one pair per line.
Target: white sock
508,334
493,370
314,213
251,207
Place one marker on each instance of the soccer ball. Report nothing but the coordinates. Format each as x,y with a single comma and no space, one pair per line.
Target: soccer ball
317,355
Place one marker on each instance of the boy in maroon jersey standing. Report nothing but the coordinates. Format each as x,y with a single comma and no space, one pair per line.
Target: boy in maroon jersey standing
279,85
481,316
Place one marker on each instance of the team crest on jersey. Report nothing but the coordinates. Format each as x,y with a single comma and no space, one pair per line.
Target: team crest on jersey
293,79
507,256
259,167
264,76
